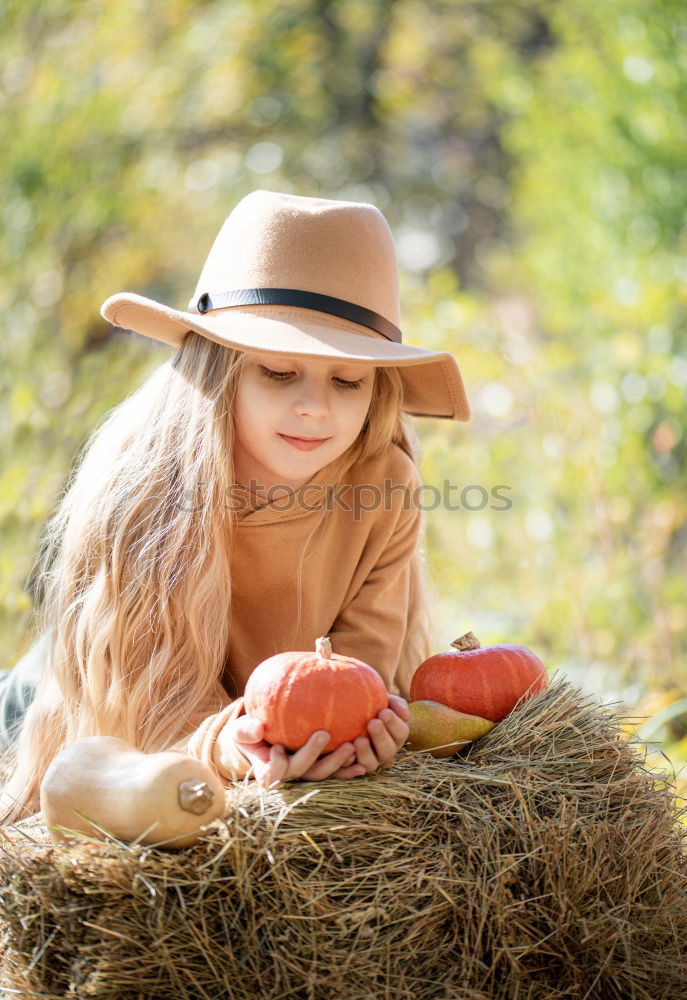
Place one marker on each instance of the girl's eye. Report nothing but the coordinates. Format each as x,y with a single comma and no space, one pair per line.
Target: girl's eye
280,376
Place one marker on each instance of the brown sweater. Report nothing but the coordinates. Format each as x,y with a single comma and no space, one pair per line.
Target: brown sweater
352,546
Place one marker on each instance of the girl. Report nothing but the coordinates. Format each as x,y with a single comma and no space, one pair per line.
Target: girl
259,490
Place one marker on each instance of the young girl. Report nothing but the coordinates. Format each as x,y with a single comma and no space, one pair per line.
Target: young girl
259,490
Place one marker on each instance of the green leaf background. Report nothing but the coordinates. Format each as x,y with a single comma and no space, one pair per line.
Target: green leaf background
531,159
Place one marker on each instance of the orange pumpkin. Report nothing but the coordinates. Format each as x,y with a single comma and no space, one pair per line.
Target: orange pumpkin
486,682
296,693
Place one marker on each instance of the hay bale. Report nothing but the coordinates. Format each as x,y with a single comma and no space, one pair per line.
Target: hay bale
544,861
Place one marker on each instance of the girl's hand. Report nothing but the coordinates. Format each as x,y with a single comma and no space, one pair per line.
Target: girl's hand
272,764
388,732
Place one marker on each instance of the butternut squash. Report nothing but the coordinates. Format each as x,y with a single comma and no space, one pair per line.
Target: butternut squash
154,797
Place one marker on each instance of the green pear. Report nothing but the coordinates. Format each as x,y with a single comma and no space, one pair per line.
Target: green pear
442,730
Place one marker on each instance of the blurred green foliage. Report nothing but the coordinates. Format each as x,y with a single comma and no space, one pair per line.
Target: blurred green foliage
531,160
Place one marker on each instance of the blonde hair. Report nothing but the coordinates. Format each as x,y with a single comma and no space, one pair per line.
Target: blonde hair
132,579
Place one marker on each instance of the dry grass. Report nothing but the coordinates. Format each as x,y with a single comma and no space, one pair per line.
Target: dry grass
544,861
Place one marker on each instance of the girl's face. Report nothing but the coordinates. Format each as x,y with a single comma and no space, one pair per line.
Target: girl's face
280,398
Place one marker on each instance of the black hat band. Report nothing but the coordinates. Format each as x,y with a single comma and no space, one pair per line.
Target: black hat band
297,297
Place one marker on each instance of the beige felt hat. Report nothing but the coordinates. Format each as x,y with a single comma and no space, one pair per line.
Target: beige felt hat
311,277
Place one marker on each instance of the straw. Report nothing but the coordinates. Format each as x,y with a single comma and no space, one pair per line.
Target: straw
545,860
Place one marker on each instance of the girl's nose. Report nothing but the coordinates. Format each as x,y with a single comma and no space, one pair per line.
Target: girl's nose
312,400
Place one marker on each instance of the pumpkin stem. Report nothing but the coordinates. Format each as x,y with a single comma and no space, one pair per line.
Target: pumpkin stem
195,796
323,646
466,642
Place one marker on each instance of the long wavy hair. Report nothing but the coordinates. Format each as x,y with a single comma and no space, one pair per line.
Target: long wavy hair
131,580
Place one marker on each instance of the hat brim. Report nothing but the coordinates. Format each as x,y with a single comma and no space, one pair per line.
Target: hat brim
432,379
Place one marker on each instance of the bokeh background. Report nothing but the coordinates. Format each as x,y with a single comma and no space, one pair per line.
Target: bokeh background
531,158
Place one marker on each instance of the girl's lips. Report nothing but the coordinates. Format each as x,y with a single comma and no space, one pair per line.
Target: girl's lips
302,444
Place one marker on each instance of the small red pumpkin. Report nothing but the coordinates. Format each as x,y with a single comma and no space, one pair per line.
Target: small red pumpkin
296,693
486,682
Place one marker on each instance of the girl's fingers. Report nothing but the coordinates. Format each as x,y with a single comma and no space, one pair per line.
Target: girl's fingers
349,767
245,729
387,734
396,727
383,745
272,764
269,773
278,767
275,764
350,771
399,706
365,754
333,762
246,734
257,753
303,759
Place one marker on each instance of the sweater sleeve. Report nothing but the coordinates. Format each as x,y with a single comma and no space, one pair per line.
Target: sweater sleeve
202,742
371,627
